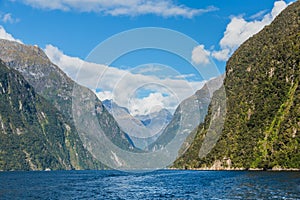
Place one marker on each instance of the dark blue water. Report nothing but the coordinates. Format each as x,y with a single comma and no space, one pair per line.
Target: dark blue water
169,184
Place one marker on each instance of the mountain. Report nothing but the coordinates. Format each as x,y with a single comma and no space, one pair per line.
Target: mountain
187,116
144,129
122,116
33,134
66,95
156,120
262,124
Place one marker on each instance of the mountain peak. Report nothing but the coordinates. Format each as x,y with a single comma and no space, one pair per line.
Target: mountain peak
56,87
16,51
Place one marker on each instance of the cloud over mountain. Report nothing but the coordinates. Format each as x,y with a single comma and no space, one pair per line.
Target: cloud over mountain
123,85
237,31
7,36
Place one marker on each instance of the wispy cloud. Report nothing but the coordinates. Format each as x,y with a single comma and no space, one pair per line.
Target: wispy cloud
165,8
185,76
8,18
258,15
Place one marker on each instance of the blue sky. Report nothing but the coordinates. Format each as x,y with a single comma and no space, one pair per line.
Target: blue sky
69,32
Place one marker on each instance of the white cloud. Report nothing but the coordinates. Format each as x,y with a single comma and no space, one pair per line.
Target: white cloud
69,65
150,68
104,95
122,85
165,8
185,76
278,7
147,104
200,55
8,18
7,36
258,15
221,55
239,30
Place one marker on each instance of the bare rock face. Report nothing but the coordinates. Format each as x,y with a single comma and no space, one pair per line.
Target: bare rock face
49,81
46,78
187,117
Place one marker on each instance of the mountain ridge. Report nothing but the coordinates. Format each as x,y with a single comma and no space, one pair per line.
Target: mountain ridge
143,129
189,113
261,128
56,87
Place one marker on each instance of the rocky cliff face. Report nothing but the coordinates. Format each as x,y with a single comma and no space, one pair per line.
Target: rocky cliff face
187,116
52,84
33,134
46,78
262,123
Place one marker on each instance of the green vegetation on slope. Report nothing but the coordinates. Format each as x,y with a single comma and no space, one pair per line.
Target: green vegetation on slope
187,116
54,85
262,123
33,133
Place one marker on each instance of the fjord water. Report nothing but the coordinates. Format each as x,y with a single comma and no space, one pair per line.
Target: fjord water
163,184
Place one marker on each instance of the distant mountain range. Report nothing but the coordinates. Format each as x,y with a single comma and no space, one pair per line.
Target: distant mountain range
262,123
143,129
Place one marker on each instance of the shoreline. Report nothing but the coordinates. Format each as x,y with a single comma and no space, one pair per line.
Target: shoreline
241,169
275,169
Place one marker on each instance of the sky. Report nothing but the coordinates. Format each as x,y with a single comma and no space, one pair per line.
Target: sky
143,54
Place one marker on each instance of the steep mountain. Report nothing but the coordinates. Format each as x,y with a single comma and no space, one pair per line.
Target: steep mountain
53,84
262,123
143,130
156,123
110,105
33,134
188,115
122,116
